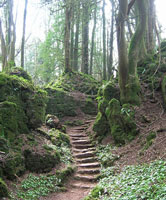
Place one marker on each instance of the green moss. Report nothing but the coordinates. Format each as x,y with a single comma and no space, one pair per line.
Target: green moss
121,121
89,107
102,105
27,103
151,136
60,103
101,126
110,91
13,165
58,138
40,162
20,72
3,189
95,193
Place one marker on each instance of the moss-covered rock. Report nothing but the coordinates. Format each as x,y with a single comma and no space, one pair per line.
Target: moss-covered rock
101,126
40,162
13,165
58,138
121,121
89,107
22,105
60,103
52,121
75,81
3,189
111,90
20,72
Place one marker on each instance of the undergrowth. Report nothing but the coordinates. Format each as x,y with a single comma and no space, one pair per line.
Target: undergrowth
33,187
141,182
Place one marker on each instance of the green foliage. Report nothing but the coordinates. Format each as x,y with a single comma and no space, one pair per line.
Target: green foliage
3,189
136,182
105,155
33,187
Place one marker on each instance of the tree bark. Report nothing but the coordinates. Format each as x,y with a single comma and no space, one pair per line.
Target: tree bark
93,38
67,36
85,36
77,36
110,63
122,47
104,42
23,34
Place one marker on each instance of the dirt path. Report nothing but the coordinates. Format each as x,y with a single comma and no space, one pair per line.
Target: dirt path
85,177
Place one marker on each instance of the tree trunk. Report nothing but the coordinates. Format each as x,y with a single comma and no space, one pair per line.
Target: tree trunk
104,42
67,36
110,63
93,38
23,34
72,37
85,36
133,87
151,27
122,48
77,36
3,48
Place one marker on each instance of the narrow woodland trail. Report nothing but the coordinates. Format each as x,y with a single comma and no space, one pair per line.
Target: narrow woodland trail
85,177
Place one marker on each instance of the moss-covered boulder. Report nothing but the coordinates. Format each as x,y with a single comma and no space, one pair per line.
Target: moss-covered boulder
3,189
20,72
60,103
13,165
89,107
52,121
22,105
101,126
121,121
40,161
110,91
58,137
75,81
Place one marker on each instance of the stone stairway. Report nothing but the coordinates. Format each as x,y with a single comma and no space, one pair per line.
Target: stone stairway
88,168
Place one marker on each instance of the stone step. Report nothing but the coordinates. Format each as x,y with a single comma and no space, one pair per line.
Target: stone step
78,128
88,121
81,142
84,150
82,185
86,160
79,138
88,178
88,171
84,155
80,146
77,135
89,165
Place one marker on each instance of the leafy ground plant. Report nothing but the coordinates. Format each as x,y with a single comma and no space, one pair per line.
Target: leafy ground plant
33,187
142,182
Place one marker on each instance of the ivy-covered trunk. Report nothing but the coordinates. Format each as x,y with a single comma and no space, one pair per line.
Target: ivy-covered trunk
128,78
136,45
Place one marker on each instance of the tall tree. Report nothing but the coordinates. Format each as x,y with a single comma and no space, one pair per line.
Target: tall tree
128,78
104,42
93,37
77,35
110,60
67,35
23,34
85,36
8,40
